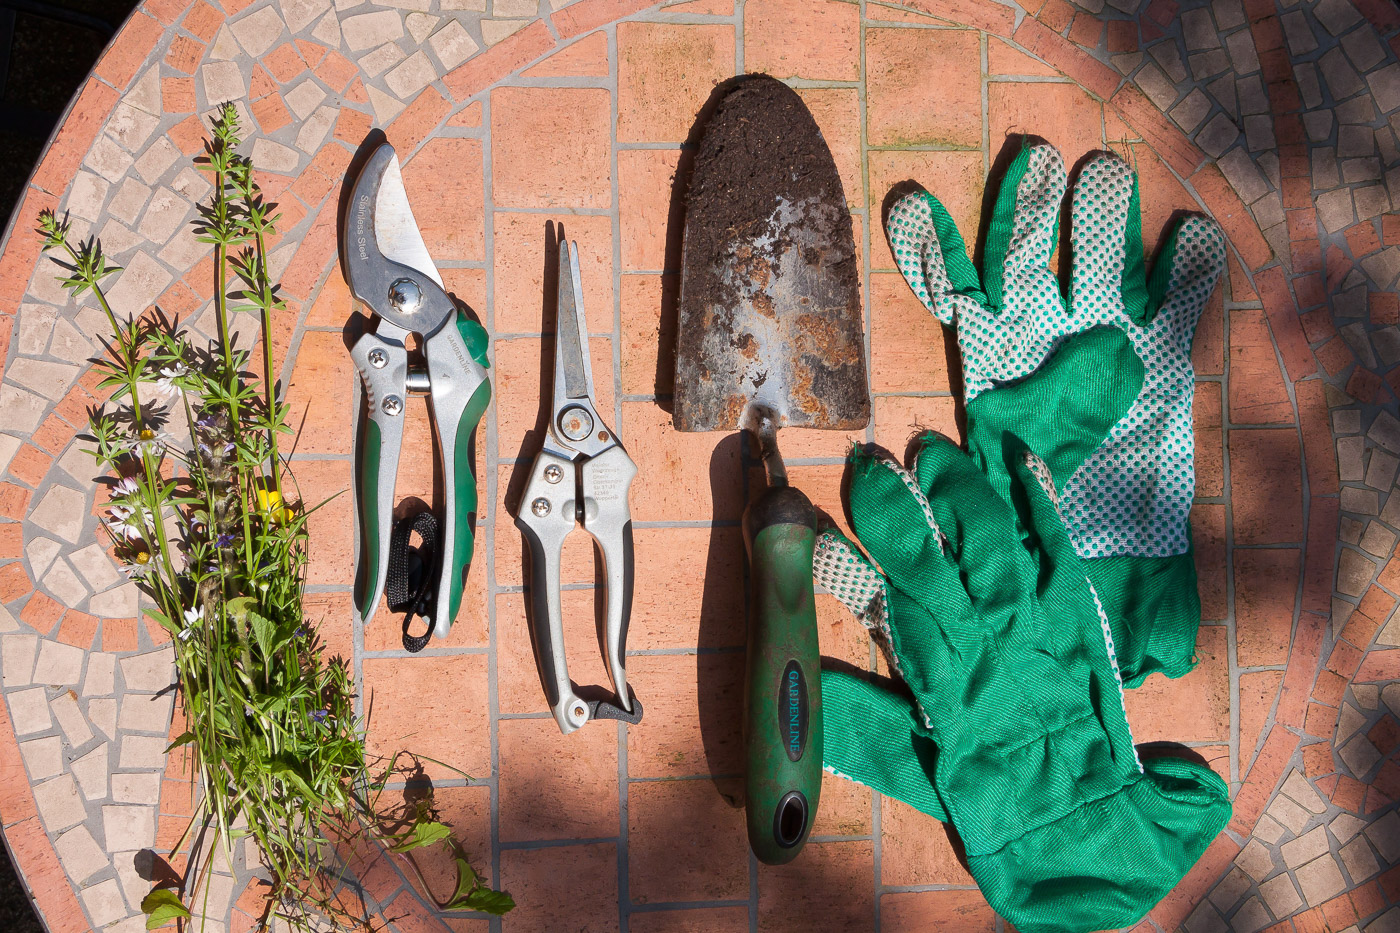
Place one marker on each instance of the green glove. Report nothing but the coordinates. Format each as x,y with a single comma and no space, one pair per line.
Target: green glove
1015,731
1126,495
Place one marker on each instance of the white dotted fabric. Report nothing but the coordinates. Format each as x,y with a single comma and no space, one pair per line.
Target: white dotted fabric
1133,494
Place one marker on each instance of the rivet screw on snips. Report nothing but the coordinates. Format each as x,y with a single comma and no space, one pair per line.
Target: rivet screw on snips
540,506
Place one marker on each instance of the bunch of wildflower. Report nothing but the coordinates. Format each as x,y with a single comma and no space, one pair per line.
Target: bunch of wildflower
219,549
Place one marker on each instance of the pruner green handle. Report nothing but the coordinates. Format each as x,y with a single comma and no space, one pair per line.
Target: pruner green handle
459,391
783,706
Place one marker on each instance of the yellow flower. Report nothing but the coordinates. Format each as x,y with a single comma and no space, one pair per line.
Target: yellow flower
270,504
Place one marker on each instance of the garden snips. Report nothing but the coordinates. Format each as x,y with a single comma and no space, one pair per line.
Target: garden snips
388,269
580,476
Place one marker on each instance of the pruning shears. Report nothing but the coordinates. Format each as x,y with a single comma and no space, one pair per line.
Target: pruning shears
388,269
581,476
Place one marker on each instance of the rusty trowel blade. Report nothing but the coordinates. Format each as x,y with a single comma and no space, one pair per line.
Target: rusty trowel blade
769,311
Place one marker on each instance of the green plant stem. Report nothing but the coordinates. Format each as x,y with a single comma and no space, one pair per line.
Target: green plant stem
269,383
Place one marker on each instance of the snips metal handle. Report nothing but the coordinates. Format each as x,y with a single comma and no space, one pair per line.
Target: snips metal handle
548,512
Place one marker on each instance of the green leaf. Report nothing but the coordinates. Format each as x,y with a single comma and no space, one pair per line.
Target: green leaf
265,631
239,606
184,738
422,834
163,620
489,901
161,906
289,773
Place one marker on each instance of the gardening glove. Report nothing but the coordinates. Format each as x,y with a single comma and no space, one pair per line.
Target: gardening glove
1127,495
1015,730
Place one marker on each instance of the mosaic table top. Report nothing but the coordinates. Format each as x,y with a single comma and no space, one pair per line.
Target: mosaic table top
1279,118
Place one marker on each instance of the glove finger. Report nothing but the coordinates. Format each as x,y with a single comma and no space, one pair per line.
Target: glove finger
1064,585
1185,275
896,526
1106,239
932,256
869,736
839,567
1025,226
983,540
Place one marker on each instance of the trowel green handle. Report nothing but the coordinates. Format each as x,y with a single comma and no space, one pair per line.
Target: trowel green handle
783,704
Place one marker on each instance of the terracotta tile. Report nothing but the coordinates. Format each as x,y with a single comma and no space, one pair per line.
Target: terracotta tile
29,464
1298,360
1210,455
822,483
404,695
467,810
907,349
1258,691
588,57
1257,391
119,635
665,72
648,333
955,178
323,365
445,186
1193,708
1318,451
837,112
1174,908
1208,349
903,108
1265,583
899,418
1350,794
917,849
550,782
912,912
650,210
1321,720
845,808
827,887
684,477
689,588
525,248
561,886
1064,114
1002,59
78,629
840,636
331,526
528,168
686,841
518,687
695,920
1265,486
817,41
1318,762
693,704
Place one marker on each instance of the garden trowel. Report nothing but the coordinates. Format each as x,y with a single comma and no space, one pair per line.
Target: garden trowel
769,334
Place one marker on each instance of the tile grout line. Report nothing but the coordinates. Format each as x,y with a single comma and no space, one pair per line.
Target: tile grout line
612,83
492,468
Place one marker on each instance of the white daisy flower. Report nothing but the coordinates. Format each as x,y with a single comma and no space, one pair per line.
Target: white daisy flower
193,618
165,386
